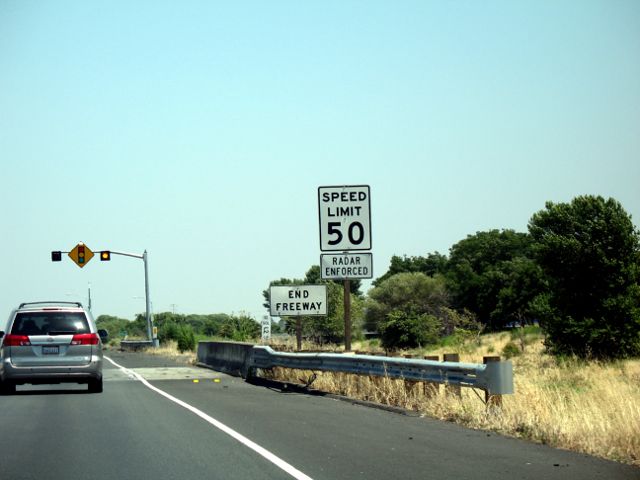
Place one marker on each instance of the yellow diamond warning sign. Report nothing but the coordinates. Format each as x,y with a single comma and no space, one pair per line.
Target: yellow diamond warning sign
81,254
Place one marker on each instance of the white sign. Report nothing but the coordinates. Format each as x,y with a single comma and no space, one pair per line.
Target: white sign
293,300
345,218
266,328
337,266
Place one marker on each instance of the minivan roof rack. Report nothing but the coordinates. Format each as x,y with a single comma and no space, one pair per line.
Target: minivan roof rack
52,302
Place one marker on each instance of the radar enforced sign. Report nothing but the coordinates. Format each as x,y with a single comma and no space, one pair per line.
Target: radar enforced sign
345,218
293,300
339,266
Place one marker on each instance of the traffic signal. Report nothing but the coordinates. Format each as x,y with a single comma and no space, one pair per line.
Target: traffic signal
105,255
81,253
56,256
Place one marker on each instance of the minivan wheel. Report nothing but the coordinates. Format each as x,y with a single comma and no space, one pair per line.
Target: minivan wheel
95,386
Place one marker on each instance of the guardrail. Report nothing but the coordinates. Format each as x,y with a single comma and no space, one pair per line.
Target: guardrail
495,378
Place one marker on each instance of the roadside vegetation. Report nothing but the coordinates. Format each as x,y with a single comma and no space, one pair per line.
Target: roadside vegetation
183,330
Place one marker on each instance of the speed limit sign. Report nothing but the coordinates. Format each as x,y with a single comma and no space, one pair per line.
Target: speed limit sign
345,218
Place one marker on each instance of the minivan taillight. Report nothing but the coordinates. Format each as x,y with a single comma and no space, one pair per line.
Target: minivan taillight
11,340
85,339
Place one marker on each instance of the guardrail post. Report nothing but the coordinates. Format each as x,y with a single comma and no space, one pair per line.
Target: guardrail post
489,399
452,389
431,389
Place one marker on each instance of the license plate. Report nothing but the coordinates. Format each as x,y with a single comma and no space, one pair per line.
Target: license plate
51,350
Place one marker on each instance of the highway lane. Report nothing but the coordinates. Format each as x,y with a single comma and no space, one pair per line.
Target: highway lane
130,431
127,432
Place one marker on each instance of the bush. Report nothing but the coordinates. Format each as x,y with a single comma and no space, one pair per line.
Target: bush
240,328
186,339
169,331
408,330
511,350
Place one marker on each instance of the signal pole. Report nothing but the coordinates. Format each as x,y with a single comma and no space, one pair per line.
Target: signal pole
81,254
145,259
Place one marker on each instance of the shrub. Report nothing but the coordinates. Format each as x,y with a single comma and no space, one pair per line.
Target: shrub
511,350
169,331
409,330
186,339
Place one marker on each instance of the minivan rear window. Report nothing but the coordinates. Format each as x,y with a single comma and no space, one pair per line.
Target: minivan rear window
50,323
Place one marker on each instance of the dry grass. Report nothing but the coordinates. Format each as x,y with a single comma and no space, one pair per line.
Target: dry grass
588,407
170,350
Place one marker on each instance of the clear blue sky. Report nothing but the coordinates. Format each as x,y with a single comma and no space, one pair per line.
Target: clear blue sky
201,130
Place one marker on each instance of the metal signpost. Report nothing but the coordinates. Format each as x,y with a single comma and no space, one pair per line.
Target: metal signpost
345,225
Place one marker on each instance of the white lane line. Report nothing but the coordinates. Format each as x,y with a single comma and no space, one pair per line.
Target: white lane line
290,469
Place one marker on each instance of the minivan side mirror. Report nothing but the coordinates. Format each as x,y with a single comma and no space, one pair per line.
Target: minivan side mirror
104,335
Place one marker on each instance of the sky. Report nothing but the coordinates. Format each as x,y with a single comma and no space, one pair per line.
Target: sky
200,132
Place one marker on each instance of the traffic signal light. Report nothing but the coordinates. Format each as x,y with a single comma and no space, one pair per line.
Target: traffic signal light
105,255
56,256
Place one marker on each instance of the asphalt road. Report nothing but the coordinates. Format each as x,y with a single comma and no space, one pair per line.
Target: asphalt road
225,428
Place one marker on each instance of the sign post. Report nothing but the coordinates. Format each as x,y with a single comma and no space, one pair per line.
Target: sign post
345,224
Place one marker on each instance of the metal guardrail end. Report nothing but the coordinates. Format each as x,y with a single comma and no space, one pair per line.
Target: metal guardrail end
499,378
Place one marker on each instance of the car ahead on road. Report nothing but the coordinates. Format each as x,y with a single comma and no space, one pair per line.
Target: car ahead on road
51,342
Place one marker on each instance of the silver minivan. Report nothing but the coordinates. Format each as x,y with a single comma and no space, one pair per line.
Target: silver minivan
51,342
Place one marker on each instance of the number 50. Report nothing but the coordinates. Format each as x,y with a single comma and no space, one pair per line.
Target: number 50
355,232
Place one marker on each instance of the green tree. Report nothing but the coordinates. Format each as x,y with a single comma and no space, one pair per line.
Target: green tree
590,251
431,265
213,323
522,283
412,293
486,271
409,329
114,325
330,328
138,327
